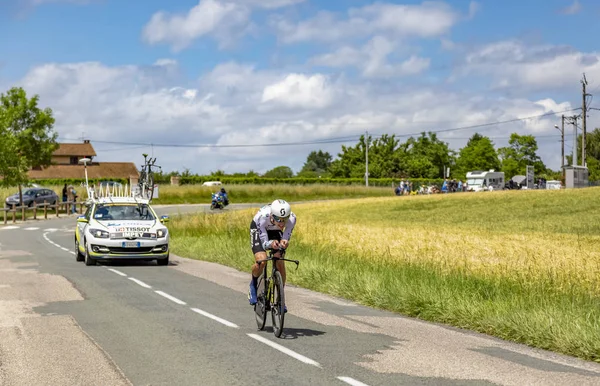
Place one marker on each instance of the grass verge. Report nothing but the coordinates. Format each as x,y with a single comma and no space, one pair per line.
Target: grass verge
198,194
522,266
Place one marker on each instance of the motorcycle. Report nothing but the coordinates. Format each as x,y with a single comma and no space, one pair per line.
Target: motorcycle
217,202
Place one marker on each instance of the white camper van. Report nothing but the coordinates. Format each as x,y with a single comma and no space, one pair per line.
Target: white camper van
479,180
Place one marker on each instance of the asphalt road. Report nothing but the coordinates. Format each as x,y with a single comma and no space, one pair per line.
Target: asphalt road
190,324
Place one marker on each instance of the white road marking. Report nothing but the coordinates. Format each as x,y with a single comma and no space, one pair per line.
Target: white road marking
10,227
31,228
351,381
214,317
51,230
285,350
117,272
139,282
174,299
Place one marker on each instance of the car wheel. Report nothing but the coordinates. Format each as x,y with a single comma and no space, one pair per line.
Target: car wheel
78,255
88,259
164,261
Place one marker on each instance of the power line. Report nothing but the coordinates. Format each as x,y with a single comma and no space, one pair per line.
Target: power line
328,140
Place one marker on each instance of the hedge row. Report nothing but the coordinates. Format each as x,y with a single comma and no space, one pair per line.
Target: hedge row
196,180
306,181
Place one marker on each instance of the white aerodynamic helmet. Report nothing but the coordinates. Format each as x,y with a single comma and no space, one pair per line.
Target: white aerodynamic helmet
280,209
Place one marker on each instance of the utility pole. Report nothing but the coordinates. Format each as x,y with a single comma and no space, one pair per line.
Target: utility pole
367,158
573,120
584,113
562,147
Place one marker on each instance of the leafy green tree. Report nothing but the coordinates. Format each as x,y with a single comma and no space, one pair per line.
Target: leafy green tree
426,156
317,161
280,172
27,138
351,161
520,152
478,154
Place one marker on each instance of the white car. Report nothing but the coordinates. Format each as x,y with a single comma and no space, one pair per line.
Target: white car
116,228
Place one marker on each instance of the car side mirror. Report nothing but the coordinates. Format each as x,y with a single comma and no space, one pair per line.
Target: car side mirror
164,219
82,219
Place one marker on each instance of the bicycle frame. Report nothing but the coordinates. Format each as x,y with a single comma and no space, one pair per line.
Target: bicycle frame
268,301
146,181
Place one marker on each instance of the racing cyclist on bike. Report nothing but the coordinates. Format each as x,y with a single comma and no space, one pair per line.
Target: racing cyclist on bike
271,228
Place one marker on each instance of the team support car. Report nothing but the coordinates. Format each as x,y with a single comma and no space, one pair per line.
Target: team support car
121,228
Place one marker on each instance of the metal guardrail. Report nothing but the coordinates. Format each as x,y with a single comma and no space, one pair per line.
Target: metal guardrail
67,205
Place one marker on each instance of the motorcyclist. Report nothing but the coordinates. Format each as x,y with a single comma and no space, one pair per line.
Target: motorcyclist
224,196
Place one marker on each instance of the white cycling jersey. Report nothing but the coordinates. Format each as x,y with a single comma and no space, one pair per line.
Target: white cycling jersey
264,224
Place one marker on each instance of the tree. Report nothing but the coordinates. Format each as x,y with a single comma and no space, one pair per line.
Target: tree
27,138
520,153
478,154
426,156
318,162
351,161
280,172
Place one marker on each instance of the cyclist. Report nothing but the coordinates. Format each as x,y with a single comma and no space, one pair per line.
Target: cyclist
266,232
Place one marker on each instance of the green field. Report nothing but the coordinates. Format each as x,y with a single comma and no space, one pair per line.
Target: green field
197,194
520,265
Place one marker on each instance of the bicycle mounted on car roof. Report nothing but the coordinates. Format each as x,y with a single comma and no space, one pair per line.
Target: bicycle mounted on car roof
146,180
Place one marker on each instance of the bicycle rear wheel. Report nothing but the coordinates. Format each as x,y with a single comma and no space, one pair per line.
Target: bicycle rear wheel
277,308
260,307
150,185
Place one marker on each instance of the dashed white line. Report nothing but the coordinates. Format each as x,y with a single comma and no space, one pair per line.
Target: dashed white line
51,230
117,272
140,282
171,298
285,350
214,317
31,228
351,381
10,227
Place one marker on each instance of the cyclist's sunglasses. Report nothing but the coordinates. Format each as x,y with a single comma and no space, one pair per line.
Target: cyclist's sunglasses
279,219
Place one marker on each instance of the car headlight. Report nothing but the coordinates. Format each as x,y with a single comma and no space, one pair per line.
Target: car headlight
99,233
161,233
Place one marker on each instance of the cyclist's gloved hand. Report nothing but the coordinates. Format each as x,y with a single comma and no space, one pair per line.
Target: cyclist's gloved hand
284,244
275,244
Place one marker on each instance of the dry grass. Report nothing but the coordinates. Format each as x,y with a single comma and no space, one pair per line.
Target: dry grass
522,265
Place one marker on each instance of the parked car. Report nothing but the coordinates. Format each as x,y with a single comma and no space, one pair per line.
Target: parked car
31,195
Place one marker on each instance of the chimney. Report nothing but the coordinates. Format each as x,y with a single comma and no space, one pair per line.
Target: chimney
86,141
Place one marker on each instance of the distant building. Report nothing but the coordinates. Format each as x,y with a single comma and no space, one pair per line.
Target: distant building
65,164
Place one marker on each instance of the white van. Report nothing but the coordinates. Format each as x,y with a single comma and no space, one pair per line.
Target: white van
211,183
479,180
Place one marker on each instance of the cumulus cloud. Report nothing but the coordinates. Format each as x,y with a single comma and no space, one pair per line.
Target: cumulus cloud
237,104
372,59
512,64
299,91
427,20
210,17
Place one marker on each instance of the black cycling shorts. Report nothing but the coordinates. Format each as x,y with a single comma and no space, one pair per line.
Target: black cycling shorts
255,242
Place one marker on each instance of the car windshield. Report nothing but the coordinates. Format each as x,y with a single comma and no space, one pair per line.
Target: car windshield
123,212
29,192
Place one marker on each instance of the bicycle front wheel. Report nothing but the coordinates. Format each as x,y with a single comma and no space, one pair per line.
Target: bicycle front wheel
277,308
260,307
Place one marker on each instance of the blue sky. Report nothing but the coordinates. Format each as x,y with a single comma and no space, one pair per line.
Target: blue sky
260,71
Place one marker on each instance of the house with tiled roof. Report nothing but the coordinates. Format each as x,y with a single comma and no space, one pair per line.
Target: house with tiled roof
65,165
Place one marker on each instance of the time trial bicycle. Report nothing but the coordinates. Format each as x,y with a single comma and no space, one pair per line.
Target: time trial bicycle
270,293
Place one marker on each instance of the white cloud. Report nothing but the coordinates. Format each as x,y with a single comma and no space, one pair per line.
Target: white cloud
372,59
269,4
210,17
427,20
300,91
572,9
41,2
235,103
512,64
